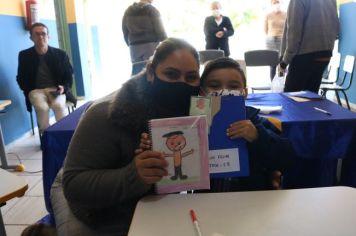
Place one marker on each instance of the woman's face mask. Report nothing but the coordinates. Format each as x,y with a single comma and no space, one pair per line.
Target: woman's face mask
173,97
216,13
276,7
226,92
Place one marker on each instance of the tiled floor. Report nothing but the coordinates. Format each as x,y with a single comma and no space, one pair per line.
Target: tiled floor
18,213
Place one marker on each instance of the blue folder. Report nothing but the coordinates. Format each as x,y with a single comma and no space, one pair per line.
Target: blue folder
232,108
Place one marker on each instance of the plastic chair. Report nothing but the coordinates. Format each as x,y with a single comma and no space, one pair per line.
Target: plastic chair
330,71
345,81
261,58
210,54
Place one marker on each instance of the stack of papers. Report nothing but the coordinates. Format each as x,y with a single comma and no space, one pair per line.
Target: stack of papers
303,96
268,109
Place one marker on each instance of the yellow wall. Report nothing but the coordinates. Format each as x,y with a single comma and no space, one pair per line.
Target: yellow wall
12,7
17,8
70,11
344,1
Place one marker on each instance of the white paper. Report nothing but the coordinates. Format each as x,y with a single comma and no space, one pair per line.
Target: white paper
224,160
268,109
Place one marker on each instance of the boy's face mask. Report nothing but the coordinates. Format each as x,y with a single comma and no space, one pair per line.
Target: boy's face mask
226,92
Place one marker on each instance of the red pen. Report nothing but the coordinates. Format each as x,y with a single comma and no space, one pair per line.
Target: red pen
195,222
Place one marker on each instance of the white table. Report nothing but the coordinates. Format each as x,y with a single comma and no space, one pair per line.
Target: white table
3,159
317,211
11,186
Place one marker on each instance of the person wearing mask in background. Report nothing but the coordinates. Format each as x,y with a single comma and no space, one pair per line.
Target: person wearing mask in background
143,30
218,29
103,178
310,31
274,24
44,74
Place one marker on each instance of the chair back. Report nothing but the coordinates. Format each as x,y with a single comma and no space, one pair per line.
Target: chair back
331,73
210,54
242,64
263,57
348,68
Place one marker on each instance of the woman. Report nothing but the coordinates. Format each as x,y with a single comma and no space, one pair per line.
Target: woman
274,25
218,29
103,178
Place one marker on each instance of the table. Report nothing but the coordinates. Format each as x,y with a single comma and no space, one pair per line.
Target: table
11,186
308,129
319,139
55,142
316,212
3,158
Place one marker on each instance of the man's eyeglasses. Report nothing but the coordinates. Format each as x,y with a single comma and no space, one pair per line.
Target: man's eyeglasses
38,34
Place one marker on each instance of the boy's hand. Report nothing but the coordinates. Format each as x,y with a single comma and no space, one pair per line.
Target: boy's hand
276,180
151,166
243,129
60,89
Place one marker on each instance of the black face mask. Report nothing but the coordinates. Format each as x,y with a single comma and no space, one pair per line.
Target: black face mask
172,99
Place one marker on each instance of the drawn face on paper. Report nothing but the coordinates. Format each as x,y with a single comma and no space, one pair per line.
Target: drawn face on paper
200,104
176,143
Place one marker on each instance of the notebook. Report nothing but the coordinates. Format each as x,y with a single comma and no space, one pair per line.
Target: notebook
227,157
184,143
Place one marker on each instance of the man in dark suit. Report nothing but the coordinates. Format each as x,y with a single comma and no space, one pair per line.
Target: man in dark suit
218,29
45,76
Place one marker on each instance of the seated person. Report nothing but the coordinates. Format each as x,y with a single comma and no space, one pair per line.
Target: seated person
103,178
268,151
45,76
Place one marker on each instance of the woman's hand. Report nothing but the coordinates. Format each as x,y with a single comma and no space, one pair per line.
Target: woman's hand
243,129
151,166
145,143
219,34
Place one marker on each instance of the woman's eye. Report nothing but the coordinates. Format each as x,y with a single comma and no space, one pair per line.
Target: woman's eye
172,74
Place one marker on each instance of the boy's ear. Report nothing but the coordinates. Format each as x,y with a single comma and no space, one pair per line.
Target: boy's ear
149,72
246,92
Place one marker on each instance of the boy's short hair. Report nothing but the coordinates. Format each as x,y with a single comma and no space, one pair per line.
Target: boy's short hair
222,63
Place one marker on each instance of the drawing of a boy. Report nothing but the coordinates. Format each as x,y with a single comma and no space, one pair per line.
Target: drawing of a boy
176,143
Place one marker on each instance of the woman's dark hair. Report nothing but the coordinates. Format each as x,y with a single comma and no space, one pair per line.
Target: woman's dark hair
221,63
37,25
163,50
166,47
39,229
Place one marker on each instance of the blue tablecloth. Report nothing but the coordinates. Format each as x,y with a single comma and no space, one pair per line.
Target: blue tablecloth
319,139
55,142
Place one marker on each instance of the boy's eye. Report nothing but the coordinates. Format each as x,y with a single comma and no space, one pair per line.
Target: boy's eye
215,86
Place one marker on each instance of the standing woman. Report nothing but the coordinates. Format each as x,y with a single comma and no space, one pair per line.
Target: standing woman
274,24
218,29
